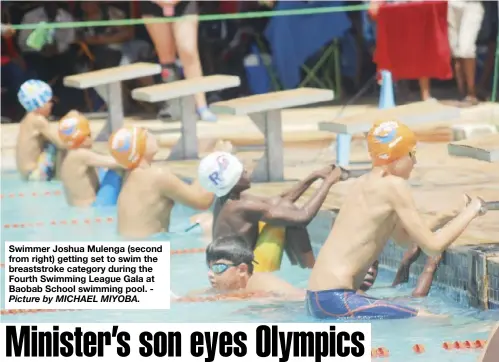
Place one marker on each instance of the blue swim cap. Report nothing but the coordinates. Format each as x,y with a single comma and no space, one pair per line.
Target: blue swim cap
34,94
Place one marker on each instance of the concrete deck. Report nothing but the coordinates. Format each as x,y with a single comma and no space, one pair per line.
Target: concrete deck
439,180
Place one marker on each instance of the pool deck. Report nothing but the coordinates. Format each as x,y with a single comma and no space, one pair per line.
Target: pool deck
471,265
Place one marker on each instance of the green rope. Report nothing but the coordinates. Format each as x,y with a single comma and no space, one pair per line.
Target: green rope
249,15
493,97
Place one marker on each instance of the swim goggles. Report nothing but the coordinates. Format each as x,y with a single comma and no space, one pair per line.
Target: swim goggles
220,268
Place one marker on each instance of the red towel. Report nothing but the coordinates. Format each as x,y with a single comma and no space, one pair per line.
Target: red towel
412,40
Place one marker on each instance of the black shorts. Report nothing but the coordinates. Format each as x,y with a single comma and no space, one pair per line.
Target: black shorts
181,9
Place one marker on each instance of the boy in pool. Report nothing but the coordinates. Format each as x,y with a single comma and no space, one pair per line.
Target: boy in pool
37,142
379,206
149,192
239,213
230,265
79,169
231,268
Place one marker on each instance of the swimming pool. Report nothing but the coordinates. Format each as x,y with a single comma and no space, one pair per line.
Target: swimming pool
22,212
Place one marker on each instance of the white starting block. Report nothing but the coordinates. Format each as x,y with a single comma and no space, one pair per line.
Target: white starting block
265,111
485,148
414,114
183,91
112,78
467,131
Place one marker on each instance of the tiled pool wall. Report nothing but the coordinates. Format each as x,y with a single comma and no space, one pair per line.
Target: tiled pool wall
465,272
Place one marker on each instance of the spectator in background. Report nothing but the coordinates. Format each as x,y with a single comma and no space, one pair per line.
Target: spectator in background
109,46
54,60
465,19
424,83
13,75
181,37
491,29
224,44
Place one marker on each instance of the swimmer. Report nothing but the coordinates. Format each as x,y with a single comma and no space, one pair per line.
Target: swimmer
379,206
37,142
149,192
239,213
79,169
230,268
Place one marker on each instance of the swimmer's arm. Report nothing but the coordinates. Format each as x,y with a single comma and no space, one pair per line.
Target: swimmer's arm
295,192
289,215
50,133
401,237
199,292
432,244
192,195
95,159
276,288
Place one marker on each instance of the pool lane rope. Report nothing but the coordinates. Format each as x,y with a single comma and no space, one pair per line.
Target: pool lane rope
97,220
31,194
382,352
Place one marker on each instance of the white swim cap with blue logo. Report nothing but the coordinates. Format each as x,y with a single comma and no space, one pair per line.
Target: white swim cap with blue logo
34,94
219,172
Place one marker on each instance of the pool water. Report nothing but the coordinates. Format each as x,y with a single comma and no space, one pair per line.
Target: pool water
188,272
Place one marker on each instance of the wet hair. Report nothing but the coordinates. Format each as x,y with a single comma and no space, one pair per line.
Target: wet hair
231,248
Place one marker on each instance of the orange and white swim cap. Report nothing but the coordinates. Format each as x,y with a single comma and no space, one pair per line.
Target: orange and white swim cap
128,146
390,141
74,128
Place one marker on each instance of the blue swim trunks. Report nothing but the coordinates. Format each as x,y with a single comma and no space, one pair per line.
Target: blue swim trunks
346,303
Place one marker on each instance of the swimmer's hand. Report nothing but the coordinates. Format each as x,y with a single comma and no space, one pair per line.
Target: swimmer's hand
477,204
338,173
324,172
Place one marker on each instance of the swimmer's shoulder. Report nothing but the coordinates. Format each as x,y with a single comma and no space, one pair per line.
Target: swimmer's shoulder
396,184
387,182
35,119
78,155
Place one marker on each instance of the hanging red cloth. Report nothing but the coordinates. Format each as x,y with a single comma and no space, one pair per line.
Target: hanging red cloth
8,48
229,7
412,40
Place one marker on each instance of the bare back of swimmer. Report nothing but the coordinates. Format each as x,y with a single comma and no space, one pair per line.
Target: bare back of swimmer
238,213
379,206
149,192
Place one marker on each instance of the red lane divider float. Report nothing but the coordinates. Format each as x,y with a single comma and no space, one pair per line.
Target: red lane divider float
31,194
418,348
479,343
380,352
